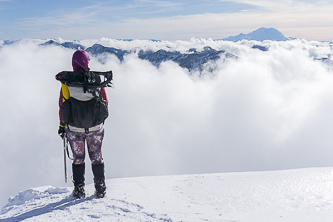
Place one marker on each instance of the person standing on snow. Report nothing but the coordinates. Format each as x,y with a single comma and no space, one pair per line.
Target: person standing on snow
77,136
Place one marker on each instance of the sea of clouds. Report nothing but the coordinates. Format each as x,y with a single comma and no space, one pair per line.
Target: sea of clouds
258,111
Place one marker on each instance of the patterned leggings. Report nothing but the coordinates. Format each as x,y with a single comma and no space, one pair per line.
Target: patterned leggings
94,143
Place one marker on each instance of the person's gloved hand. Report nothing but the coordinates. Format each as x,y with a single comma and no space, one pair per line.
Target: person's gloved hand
61,131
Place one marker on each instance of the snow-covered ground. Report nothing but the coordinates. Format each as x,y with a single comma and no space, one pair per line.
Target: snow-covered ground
290,195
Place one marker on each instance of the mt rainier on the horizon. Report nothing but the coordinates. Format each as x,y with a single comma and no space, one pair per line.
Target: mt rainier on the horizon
260,34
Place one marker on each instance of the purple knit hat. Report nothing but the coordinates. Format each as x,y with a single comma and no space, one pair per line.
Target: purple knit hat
80,60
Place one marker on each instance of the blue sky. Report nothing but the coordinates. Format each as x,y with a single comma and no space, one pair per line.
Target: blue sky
167,20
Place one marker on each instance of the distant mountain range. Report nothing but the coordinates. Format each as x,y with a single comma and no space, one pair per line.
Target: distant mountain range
260,35
192,60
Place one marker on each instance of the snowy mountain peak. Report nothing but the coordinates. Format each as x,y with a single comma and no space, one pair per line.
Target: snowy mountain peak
260,34
290,195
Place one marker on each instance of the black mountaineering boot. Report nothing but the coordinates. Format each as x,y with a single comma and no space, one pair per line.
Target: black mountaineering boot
99,180
78,180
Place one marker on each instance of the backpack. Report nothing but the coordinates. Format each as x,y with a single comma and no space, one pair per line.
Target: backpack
85,113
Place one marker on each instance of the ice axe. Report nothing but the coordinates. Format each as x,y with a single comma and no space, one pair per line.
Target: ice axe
66,151
65,148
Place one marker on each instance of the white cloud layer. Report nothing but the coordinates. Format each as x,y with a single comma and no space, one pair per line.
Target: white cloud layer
262,111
